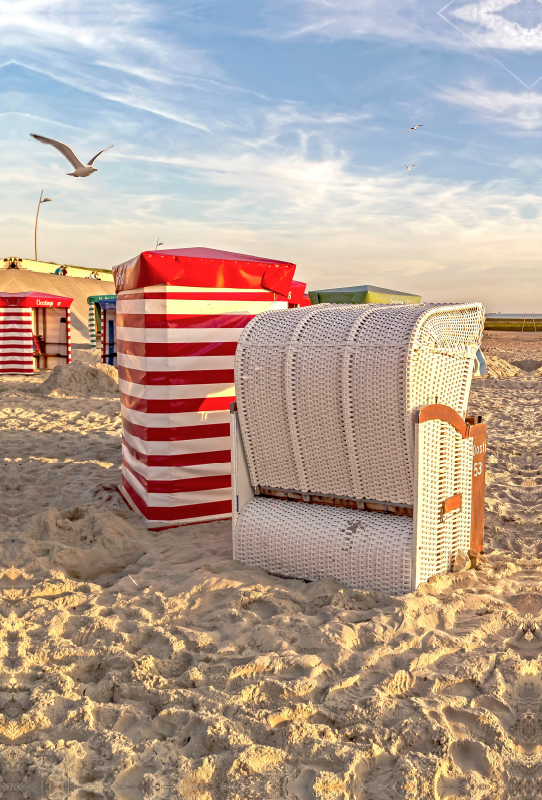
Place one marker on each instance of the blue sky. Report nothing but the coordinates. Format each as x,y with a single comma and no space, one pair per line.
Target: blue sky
280,129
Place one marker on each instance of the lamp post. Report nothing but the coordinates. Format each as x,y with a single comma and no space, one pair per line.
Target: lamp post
158,243
45,200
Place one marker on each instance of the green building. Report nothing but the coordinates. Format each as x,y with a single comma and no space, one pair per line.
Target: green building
362,294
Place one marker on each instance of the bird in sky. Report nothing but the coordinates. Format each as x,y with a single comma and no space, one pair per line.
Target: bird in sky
412,165
415,128
80,170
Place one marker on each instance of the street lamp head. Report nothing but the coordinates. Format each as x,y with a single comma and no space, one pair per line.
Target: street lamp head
159,244
41,200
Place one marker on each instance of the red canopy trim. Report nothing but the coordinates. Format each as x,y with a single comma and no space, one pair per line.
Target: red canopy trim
34,300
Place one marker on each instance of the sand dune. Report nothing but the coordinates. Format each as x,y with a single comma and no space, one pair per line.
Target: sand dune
500,368
143,665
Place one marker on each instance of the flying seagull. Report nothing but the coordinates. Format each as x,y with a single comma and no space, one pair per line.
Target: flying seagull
412,165
415,128
80,170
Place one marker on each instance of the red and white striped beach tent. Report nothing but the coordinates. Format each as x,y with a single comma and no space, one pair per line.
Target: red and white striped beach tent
179,316
34,331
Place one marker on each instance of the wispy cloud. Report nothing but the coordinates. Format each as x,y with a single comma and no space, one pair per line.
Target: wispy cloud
511,110
136,97
489,27
343,19
455,24
292,191
35,118
450,241
117,49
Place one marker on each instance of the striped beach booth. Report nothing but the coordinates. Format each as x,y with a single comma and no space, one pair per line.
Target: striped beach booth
34,331
94,316
179,316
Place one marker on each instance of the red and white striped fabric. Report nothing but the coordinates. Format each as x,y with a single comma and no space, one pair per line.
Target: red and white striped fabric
176,347
16,343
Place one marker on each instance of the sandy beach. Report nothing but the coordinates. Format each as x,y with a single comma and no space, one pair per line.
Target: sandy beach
140,665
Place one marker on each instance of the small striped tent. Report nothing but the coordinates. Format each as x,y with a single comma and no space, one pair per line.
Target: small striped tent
34,331
94,316
179,316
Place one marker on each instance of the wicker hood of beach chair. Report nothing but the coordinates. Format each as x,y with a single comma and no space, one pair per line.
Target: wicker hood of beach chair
328,399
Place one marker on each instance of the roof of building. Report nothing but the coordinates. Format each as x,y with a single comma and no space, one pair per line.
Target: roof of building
367,288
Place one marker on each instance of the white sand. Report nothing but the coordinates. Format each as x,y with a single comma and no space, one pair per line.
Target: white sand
143,665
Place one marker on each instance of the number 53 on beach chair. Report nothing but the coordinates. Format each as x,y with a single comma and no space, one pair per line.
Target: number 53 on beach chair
353,456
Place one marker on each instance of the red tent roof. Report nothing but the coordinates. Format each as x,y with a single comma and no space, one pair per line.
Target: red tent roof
202,266
222,255
34,300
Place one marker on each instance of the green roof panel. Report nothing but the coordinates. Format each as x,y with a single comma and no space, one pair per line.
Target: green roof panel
362,294
95,298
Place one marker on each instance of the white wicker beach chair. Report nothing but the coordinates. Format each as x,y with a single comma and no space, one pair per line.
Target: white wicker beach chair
351,453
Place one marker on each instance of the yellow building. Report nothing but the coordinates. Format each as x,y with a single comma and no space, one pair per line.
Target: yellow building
48,268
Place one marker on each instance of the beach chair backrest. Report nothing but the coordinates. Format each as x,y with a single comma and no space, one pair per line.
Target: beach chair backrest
327,395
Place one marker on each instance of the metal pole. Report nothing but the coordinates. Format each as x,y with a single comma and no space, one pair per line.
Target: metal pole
36,228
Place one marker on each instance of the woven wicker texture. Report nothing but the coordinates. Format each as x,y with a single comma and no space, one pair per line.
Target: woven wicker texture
327,394
444,470
358,548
